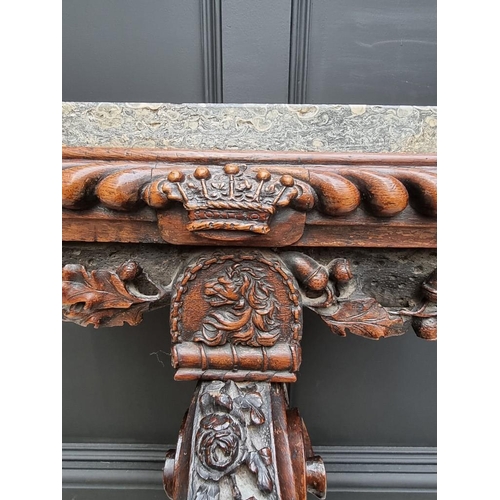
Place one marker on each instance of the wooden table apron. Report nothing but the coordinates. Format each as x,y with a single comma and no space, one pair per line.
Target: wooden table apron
236,244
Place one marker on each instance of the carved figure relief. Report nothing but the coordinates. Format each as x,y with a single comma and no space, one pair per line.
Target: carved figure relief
244,306
218,322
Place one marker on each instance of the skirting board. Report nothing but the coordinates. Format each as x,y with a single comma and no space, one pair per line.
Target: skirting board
349,469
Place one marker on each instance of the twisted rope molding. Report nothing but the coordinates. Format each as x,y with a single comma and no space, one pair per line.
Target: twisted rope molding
338,190
288,198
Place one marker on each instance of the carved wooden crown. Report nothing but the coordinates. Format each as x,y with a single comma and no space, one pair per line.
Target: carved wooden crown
224,198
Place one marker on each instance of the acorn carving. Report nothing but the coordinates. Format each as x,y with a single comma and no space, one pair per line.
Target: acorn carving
310,275
425,323
425,328
129,271
340,270
429,287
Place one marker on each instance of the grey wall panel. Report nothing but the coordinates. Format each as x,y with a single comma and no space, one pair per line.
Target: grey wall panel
211,13
115,389
124,50
352,472
354,391
372,52
350,391
138,494
299,51
128,493
255,50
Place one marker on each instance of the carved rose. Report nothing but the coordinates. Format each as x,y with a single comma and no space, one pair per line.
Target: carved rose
219,445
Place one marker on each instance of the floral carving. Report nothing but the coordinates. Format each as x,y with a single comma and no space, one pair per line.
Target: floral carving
219,445
223,443
332,292
258,462
251,401
207,491
104,298
245,309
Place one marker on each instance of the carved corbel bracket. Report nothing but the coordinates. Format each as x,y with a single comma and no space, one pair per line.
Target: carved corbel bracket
239,440
236,316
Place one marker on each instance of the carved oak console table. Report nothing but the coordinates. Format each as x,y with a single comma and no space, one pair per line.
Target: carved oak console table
236,218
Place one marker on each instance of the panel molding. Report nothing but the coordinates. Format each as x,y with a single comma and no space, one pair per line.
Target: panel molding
211,39
299,51
111,466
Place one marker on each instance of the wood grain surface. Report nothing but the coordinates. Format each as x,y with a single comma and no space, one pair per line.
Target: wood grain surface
252,199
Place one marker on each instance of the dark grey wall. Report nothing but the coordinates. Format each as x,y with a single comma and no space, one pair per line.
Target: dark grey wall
373,52
316,51
118,386
124,50
365,393
255,47
350,391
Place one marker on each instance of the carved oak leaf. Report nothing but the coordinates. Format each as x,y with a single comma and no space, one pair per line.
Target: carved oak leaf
100,297
364,317
210,402
258,462
251,401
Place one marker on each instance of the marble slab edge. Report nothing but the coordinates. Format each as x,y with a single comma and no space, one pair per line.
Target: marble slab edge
271,127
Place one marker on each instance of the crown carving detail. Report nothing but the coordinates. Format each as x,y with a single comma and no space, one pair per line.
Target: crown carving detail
230,198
